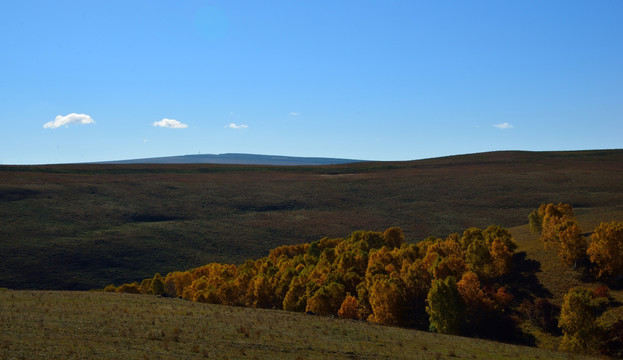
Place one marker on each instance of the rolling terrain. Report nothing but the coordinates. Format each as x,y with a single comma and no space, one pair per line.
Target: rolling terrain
79,325
77,227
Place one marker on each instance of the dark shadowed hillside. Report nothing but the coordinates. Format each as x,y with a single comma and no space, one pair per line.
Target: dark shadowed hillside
84,226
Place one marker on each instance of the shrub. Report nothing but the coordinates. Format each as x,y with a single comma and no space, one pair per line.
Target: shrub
544,314
129,288
600,291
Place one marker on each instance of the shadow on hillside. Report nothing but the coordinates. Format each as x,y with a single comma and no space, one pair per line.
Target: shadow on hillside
505,329
523,279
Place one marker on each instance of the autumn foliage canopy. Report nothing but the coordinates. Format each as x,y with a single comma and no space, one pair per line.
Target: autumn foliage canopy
452,285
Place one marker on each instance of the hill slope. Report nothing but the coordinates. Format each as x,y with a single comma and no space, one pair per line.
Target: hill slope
62,325
85,226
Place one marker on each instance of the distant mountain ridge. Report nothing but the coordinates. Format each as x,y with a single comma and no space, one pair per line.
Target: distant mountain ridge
236,159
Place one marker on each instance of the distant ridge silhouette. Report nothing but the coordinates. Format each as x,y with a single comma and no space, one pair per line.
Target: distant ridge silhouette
236,159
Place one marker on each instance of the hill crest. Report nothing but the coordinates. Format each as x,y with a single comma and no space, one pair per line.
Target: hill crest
236,159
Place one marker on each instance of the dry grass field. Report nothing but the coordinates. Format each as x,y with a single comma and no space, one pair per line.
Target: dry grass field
77,227
96,325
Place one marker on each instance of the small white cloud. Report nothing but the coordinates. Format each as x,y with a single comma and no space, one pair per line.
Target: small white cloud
170,123
68,119
503,126
294,114
234,126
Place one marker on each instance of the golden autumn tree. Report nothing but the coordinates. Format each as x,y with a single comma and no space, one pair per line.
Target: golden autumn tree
387,299
501,258
129,288
559,230
555,218
175,283
606,249
262,292
572,246
145,286
348,309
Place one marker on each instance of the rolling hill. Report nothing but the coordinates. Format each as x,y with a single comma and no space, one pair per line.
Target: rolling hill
237,159
84,226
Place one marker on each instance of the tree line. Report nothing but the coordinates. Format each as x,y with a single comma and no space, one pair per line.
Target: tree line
458,285
453,286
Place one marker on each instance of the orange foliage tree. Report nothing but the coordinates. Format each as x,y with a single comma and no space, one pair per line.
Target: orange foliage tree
348,309
387,300
560,231
606,249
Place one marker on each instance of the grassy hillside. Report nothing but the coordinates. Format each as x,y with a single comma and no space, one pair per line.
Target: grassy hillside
84,226
543,275
78,325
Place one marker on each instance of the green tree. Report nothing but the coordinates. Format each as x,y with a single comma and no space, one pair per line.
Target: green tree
478,259
394,237
445,307
577,321
157,285
535,221
494,232
327,300
296,298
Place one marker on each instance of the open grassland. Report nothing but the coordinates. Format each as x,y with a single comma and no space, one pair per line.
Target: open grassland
78,325
85,226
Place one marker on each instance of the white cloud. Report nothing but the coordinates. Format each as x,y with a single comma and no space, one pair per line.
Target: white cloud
294,114
503,126
170,123
68,119
234,126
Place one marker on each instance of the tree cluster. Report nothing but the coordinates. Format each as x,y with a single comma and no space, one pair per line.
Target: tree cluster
452,285
559,230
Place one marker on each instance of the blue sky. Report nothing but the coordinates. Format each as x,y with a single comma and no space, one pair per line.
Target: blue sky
85,81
